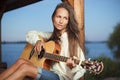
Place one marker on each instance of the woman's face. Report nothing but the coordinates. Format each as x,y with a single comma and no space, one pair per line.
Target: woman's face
60,19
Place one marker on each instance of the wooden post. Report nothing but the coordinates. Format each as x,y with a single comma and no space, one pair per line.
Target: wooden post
78,6
2,9
79,11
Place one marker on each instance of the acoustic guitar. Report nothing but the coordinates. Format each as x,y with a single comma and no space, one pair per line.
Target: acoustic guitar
51,53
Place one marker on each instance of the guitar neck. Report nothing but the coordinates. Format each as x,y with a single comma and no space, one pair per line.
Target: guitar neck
58,58
92,66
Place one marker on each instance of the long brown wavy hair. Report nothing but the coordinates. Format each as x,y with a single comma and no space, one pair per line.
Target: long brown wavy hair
72,30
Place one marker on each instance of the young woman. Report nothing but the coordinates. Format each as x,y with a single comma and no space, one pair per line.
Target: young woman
66,34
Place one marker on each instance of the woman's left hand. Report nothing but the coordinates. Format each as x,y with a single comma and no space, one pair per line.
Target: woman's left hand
70,62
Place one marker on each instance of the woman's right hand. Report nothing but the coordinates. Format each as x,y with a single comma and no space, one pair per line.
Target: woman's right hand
38,46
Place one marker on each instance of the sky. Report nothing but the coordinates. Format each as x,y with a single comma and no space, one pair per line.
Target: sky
100,18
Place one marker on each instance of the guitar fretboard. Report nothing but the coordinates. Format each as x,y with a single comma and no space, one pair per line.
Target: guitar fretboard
58,58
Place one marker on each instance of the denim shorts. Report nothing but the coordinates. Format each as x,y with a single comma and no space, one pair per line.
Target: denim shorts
46,75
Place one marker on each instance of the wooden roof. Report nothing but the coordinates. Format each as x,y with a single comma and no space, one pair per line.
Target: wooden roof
14,4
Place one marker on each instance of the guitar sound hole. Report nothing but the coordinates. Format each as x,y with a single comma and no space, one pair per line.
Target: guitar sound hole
57,52
41,54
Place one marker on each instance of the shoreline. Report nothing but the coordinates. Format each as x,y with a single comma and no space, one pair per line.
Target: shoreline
16,42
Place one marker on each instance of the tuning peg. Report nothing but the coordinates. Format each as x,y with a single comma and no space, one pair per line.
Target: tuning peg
97,64
95,73
101,62
89,59
90,68
90,72
95,61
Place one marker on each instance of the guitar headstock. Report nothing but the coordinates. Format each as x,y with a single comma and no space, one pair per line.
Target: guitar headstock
93,66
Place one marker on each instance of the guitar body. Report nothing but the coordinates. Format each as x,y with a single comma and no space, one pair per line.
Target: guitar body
51,54
50,47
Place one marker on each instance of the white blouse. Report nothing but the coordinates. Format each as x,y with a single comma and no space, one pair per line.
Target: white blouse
64,72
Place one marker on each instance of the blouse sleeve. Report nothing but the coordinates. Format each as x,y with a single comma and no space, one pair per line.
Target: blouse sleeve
78,70
33,36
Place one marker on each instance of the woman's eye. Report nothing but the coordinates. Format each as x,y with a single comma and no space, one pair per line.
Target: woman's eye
58,16
65,18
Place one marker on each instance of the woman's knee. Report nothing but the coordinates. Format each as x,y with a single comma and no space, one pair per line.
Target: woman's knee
24,66
28,69
21,61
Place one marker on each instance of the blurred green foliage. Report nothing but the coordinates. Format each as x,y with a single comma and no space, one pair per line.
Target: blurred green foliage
114,41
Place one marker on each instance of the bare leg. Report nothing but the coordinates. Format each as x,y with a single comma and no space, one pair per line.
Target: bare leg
12,69
24,70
